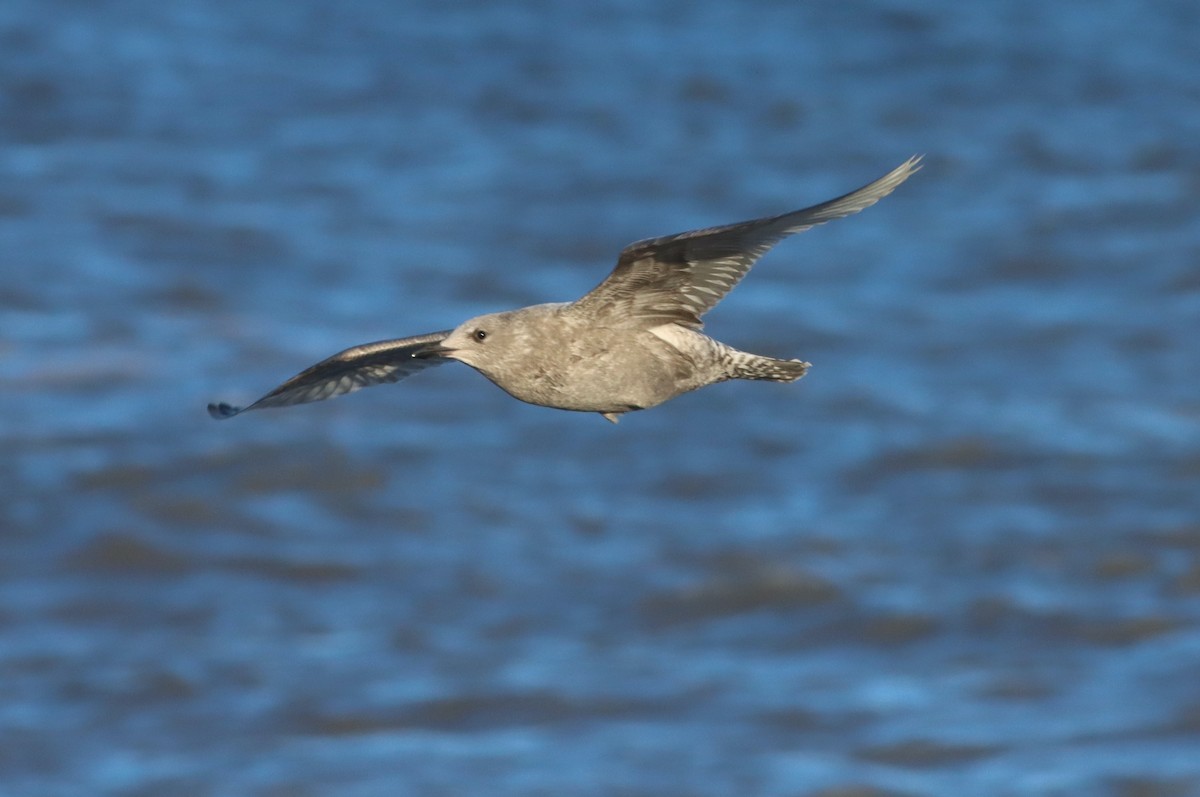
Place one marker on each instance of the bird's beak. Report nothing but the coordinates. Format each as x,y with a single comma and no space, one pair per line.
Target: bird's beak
433,350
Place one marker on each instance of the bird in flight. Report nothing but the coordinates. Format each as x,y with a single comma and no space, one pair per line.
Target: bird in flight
631,343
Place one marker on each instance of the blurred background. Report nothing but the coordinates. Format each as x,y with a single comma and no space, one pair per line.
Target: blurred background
961,557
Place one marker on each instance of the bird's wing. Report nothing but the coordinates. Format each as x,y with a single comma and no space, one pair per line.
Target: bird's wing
347,371
681,277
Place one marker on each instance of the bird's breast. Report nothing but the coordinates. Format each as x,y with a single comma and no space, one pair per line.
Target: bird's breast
608,371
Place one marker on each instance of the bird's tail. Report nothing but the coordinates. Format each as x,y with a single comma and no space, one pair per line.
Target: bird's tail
754,366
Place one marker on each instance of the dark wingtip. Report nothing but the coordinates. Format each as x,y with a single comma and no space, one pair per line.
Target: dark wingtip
221,410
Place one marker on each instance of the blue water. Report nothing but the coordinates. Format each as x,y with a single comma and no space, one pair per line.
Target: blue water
961,557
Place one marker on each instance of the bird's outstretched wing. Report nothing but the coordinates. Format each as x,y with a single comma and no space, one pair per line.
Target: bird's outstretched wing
347,371
679,278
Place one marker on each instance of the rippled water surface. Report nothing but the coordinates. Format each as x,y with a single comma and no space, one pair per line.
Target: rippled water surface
962,557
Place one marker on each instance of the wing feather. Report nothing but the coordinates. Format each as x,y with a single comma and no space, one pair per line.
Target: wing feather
345,372
679,278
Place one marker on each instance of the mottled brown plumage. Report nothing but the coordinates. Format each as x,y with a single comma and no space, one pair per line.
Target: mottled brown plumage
632,342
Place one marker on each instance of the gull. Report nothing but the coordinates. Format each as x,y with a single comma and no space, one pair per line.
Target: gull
631,343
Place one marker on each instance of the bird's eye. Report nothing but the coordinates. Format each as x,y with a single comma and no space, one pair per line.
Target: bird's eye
480,335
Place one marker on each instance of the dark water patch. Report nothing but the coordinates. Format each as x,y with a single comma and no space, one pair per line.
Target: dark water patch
35,110
1146,216
189,296
859,790
1030,267
1187,583
1161,156
156,785
1145,342
1020,688
725,595
473,713
1124,631
14,206
1185,538
693,486
191,242
1186,720
169,497
158,686
328,472
409,639
312,573
974,454
797,720
854,406
171,510
899,629
122,477
1189,281
1122,566
926,753
704,88
122,552
841,626
1153,787
1001,616
793,720
170,491
105,605
31,751
499,103
784,115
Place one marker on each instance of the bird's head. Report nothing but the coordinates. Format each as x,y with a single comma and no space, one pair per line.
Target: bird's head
481,342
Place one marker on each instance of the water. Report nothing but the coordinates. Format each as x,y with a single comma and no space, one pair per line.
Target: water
961,557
